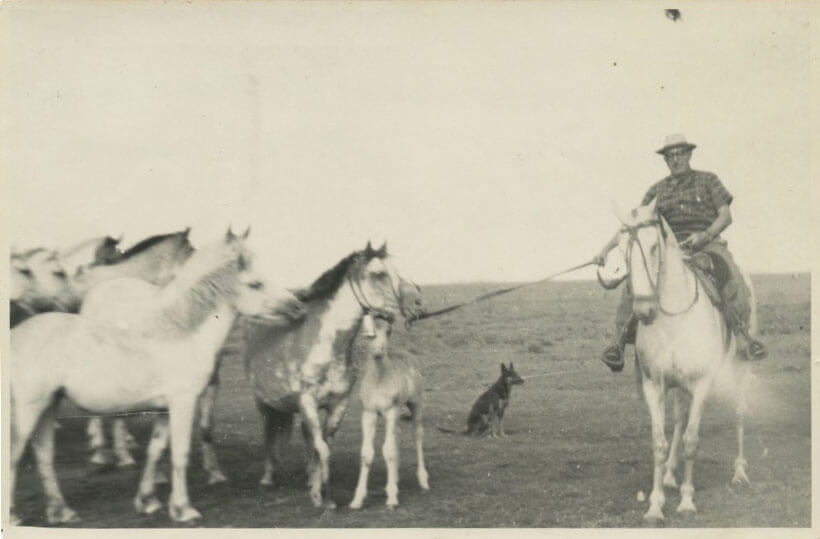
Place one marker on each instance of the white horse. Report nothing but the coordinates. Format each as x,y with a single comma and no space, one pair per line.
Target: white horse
123,303
309,367
682,343
153,260
38,282
386,386
162,363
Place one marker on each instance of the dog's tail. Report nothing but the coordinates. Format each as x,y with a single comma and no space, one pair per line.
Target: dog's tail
452,431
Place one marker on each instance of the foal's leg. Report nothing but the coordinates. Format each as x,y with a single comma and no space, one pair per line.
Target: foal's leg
206,428
181,419
740,413
369,420
390,450
146,500
654,397
679,410
278,426
418,430
57,511
690,444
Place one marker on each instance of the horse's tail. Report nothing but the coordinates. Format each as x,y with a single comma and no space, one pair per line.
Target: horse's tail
753,322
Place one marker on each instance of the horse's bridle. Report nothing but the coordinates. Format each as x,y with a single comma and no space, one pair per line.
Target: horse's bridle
367,307
632,231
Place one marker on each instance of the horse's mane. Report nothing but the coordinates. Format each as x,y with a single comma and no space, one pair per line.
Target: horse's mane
31,252
147,243
329,282
208,277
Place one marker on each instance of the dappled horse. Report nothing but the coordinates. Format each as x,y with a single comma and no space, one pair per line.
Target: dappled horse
309,368
38,282
682,343
387,384
163,363
154,260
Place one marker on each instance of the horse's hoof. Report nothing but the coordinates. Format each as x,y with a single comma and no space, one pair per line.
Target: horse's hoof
14,520
266,482
653,515
218,477
99,458
686,507
125,461
330,504
669,481
185,513
356,504
61,514
740,477
316,499
147,505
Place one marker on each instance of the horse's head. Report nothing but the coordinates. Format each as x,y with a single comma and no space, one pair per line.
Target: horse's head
107,251
255,298
39,281
380,286
378,330
642,240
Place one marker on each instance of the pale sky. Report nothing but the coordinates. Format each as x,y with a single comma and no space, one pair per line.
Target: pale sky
483,141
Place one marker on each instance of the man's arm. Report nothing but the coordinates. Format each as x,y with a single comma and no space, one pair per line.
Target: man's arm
600,258
721,223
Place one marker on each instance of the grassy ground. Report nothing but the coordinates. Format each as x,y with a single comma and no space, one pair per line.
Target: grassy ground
578,449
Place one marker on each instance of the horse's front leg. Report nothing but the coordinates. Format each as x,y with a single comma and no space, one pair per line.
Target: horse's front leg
390,451
121,439
57,511
181,419
655,402
96,440
690,445
369,420
318,448
679,410
418,427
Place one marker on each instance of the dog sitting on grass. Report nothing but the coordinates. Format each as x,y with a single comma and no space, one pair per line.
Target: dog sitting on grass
488,411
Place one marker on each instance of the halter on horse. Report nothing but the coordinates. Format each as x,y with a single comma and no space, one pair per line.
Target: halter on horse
309,367
682,343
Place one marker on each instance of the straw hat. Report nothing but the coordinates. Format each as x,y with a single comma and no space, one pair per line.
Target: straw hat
676,141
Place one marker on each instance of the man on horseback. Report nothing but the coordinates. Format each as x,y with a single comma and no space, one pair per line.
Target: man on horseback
696,206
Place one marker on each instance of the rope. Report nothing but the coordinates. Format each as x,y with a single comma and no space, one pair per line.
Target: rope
495,293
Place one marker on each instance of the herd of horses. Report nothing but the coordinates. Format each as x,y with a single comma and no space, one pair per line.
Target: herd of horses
145,330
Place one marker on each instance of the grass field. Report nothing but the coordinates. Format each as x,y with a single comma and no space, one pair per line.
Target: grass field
578,449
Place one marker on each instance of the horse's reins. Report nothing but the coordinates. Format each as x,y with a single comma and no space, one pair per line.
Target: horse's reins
632,230
495,293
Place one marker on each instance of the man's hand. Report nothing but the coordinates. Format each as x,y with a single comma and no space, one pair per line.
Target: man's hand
696,241
600,258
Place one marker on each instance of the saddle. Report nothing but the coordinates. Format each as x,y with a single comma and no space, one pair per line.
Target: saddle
703,267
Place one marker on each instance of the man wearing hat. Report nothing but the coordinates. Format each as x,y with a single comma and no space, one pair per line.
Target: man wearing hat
696,206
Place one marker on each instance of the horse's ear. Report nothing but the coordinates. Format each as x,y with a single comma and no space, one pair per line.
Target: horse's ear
229,237
382,252
188,231
619,213
503,367
368,249
668,235
118,239
246,233
652,204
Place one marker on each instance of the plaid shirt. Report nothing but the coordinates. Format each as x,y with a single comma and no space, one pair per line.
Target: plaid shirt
690,201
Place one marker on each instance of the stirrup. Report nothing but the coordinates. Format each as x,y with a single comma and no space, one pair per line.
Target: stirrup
613,357
755,351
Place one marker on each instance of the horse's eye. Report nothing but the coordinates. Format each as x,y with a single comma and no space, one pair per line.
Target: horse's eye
380,275
256,285
60,274
25,271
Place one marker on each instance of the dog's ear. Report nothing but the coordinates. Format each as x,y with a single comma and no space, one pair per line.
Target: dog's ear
511,366
503,368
